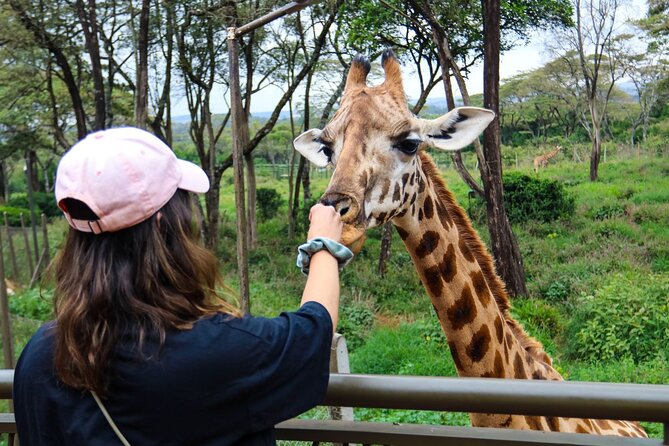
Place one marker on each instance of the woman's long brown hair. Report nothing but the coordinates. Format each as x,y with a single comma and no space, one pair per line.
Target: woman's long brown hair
143,280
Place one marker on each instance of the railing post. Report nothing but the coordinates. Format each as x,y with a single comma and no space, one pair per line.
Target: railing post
339,363
666,432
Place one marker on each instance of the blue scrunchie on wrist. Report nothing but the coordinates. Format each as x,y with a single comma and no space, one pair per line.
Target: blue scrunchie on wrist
306,250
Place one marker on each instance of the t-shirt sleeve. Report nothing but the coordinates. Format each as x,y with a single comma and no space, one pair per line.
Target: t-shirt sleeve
294,374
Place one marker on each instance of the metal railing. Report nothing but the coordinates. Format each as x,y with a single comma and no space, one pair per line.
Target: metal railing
638,402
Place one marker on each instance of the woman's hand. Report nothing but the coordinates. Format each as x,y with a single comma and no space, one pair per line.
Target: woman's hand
325,222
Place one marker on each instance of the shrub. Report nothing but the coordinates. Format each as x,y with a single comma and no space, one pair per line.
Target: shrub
608,211
32,304
269,201
355,323
14,215
528,198
44,202
627,317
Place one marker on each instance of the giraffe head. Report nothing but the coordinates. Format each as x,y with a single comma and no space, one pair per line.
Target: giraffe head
373,141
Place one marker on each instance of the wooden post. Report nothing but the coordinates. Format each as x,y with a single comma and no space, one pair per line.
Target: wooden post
339,363
29,256
7,340
12,252
238,144
45,241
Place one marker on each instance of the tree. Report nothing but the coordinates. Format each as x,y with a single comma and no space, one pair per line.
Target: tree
504,246
598,44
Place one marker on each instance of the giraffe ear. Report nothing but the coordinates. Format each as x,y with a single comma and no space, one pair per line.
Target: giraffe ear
457,128
310,146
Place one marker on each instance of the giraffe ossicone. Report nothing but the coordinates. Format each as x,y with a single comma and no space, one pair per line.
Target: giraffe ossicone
382,173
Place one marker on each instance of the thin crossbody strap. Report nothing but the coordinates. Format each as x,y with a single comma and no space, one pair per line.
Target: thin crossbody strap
109,419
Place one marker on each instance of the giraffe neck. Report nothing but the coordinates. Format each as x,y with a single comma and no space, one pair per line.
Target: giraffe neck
551,154
466,293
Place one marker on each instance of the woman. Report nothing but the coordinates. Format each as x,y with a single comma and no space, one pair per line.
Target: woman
142,351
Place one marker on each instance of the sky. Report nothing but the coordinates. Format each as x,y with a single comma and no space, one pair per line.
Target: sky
527,57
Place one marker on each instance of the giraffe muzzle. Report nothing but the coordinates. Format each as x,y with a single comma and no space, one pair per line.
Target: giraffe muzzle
353,233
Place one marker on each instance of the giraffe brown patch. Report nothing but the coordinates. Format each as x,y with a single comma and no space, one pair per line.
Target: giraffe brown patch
405,198
519,367
428,206
553,423
403,233
382,217
581,430
384,190
624,433
420,215
498,369
421,184
463,310
363,180
499,329
413,198
538,374
604,424
464,249
480,287
507,423
508,342
448,266
413,177
455,355
588,424
479,345
433,281
534,423
396,192
427,244
444,218
405,179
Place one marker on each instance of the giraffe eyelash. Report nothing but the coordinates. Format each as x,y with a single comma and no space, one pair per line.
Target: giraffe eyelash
327,152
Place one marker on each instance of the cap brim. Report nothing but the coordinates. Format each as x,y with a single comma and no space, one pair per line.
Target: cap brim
193,177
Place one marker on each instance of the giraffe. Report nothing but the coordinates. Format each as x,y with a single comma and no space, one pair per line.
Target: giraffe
542,160
382,173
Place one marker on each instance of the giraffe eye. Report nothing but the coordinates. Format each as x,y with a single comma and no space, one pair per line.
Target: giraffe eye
408,146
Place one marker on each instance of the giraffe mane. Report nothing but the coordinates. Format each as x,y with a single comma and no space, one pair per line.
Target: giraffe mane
480,252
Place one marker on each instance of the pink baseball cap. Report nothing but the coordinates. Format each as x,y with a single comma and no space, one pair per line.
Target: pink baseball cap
124,175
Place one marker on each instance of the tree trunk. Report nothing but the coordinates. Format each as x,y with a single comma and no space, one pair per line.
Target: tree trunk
504,245
213,215
4,182
251,201
142,88
595,155
89,24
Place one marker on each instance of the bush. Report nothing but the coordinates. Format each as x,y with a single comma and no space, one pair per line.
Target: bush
528,198
269,201
44,202
608,211
32,304
626,318
14,215
355,323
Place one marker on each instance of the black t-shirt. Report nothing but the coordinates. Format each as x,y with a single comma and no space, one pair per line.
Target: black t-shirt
226,381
